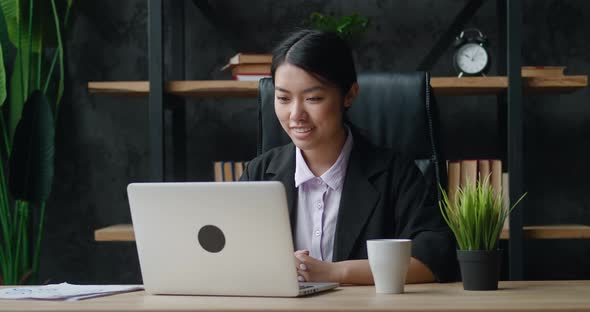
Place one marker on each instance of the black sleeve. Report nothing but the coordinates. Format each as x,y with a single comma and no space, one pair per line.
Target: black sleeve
418,218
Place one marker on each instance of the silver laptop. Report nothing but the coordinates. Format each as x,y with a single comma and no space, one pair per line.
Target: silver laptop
231,238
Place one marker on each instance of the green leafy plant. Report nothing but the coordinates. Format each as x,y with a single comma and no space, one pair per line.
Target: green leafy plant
349,27
29,106
476,215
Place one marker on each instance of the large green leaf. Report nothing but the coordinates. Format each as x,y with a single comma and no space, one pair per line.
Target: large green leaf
16,14
2,78
19,87
18,91
9,10
4,41
33,151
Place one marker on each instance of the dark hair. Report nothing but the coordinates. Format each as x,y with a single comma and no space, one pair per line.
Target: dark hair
322,54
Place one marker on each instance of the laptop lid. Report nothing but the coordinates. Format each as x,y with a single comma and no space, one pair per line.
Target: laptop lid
214,238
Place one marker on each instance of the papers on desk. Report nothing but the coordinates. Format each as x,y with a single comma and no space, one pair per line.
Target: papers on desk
65,291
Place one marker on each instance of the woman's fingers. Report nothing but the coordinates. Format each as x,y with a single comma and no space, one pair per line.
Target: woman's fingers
300,256
302,267
298,260
302,252
302,276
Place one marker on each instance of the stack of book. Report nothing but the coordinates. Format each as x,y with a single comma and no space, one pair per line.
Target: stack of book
227,171
469,171
249,67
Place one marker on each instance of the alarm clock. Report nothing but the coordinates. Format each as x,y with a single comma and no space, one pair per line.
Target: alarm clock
471,57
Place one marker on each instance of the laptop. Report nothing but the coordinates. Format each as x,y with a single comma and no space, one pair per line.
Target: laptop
211,238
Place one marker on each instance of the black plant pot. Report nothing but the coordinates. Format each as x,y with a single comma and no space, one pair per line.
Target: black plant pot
480,269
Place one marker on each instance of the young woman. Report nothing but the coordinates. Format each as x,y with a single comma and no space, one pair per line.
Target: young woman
343,189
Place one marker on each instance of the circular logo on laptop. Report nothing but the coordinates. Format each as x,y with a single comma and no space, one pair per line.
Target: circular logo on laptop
211,238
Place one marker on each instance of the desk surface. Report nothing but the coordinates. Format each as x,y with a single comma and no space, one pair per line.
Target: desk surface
512,296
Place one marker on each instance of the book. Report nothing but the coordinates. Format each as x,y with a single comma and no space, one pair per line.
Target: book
238,170
228,171
484,170
251,69
241,59
454,176
250,58
250,77
468,172
542,71
461,172
218,171
496,175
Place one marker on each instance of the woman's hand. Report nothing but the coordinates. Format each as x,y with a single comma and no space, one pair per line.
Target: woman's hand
356,272
310,269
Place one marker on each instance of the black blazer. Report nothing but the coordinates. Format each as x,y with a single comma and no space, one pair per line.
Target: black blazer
384,196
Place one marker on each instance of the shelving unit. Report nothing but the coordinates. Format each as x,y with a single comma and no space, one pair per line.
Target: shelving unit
492,85
508,88
124,232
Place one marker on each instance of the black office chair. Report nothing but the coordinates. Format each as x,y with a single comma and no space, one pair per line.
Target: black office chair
395,110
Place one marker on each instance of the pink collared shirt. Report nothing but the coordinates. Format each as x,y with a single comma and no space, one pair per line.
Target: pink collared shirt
318,203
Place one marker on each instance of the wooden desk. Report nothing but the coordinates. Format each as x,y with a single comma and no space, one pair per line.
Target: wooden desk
513,296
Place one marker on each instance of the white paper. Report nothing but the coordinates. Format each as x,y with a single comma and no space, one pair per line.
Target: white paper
64,291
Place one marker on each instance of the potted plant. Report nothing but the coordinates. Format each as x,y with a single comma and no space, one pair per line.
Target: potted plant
31,88
476,216
348,27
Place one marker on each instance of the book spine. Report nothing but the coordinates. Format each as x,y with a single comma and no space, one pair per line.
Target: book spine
468,172
238,169
228,174
484,171
227,171
454,175
496,176
218,171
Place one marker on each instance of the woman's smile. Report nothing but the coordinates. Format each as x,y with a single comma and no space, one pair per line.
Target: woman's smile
301,133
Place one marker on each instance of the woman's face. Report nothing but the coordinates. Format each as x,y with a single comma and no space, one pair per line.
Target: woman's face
309,111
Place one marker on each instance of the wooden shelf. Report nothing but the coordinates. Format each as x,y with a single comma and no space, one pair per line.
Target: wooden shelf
115,233
565,231
498,84
196,88
124,232
440,85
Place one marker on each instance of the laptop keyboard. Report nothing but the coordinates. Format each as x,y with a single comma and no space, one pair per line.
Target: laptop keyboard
304,286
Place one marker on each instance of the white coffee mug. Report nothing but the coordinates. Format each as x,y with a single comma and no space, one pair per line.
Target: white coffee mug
389,260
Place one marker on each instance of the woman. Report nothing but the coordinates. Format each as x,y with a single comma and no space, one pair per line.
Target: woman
344,189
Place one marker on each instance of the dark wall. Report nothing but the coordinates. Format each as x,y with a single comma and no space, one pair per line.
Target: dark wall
102,140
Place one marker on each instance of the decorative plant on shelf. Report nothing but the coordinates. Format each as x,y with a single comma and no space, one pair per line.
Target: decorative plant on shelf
476,216
32,55
349,27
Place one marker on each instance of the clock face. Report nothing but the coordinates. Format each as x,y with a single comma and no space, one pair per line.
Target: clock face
471,58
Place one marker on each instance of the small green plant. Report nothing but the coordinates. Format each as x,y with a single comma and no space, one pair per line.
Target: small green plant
476,215
349,27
